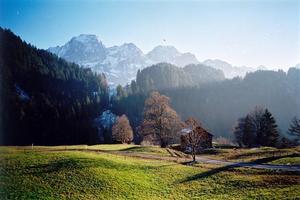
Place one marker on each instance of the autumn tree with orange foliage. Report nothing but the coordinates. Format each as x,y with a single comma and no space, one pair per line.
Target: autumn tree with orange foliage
121,130
161,123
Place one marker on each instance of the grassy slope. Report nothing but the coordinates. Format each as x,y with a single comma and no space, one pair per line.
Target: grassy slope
27,174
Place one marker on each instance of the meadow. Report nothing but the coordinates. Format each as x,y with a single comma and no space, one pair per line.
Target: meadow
106,172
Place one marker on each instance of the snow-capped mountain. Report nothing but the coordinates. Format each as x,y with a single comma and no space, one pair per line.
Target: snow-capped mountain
83,50
119,63
163,53
171,55
229,70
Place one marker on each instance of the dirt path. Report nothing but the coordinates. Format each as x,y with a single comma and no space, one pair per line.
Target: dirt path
292,168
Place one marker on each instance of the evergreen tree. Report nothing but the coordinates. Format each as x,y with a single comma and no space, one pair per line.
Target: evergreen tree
120,91
270,133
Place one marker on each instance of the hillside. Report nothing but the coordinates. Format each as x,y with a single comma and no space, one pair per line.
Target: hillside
217,104
44,99
166,76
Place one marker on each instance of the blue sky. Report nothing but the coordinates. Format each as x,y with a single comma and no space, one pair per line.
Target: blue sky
248,33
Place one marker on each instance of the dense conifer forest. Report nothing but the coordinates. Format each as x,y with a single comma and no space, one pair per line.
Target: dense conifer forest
44,99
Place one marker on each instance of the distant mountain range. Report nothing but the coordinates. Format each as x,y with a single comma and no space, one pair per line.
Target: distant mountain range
229,70
121,63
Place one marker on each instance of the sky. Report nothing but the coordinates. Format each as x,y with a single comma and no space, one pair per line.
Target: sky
244,33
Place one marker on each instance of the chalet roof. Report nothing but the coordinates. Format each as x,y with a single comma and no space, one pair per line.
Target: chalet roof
187,130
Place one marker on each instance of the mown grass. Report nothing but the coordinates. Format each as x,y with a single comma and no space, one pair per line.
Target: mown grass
44,174
248,155
286,161
132,148
151,150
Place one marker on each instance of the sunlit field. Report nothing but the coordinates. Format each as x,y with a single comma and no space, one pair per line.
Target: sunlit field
80,172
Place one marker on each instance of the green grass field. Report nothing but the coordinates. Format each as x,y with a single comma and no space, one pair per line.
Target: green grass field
62,173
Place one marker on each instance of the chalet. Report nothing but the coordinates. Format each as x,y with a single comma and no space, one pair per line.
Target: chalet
204,143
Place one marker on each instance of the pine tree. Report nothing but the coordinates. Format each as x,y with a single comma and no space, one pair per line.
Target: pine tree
270,133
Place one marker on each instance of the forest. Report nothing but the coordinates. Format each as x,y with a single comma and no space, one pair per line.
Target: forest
217,104
44,99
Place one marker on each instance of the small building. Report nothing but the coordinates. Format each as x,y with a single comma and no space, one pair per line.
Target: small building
205,143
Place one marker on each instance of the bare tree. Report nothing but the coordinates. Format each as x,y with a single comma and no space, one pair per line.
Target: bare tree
121,130
255,118
238,131
294,129
160,121
195,137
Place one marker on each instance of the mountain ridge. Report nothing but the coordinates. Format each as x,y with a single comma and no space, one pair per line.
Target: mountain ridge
120,63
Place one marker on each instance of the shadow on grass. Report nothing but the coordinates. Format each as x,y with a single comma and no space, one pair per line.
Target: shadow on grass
270,159
209,173
55,166
260,153
237,165
70,164
131,148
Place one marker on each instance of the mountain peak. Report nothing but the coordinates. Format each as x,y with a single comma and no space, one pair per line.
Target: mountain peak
215,61
163,54
85,38
165,48
84,49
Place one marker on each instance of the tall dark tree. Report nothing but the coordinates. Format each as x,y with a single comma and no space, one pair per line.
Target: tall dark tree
270,133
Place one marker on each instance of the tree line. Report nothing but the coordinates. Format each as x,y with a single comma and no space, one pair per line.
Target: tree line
259,128
216,104
161,125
